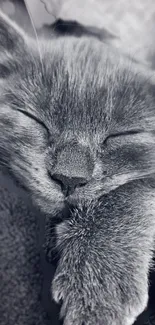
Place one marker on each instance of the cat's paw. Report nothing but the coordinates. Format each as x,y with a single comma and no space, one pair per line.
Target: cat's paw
74,310
90,306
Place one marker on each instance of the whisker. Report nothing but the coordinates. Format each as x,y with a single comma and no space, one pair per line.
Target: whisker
36,35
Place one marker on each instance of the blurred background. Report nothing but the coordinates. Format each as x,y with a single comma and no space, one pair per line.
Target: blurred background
132,23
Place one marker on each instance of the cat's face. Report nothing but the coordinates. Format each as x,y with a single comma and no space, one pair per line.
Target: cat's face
76,126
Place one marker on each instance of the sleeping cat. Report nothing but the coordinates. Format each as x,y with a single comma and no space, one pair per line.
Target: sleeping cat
77,129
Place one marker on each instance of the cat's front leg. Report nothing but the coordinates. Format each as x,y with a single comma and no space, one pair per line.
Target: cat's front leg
105,255
94,293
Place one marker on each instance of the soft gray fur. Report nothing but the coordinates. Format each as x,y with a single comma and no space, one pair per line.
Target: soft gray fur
82,96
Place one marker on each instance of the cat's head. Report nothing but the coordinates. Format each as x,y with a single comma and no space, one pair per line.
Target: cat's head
76,120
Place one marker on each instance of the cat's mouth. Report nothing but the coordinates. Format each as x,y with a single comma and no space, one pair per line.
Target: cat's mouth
67,211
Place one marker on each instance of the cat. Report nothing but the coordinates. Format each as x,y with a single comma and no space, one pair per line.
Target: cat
77,131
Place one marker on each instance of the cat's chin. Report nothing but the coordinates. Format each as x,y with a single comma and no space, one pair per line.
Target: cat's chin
48,207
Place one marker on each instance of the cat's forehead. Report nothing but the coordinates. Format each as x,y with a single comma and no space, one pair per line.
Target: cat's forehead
83,85
92,84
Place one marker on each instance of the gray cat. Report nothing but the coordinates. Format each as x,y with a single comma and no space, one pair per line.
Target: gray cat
77,131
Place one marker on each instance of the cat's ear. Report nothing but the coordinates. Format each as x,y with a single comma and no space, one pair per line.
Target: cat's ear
12,38
13,44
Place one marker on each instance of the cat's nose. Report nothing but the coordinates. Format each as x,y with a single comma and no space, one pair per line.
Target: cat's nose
68,184
73,168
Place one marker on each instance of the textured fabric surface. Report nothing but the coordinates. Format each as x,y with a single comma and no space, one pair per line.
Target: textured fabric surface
20,272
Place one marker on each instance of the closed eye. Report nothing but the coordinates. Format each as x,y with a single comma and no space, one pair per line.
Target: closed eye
33,117
130,132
